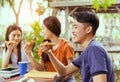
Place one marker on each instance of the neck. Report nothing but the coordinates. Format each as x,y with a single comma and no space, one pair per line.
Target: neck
15,50
86,42
55,40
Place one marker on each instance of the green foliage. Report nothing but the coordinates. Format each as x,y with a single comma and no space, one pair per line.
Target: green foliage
2,32
4,2
0,63
35,34
102,3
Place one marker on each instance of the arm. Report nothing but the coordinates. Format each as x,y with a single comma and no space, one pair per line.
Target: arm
69,60
100,78
69,52
6,58
6,54
66,70
33,62
60,68
97,62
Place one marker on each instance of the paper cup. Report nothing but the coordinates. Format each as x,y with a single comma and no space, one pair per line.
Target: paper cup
23,67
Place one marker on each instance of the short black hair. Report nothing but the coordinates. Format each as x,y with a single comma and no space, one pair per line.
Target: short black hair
87,17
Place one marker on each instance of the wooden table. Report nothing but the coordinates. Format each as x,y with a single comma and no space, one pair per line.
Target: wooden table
35,79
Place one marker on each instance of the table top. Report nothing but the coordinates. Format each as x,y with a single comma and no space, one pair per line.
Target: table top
16,78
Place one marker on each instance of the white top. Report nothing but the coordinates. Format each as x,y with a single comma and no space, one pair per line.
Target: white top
14,59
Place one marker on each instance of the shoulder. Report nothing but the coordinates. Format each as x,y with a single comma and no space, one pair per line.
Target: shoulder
95,45
94,48
65,42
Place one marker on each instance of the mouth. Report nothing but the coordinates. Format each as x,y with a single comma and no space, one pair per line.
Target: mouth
17,42
73,36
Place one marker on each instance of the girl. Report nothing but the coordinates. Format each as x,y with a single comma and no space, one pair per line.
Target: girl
13,52
62,49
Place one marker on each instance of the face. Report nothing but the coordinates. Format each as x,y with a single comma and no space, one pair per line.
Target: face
15,36
78,32
46,32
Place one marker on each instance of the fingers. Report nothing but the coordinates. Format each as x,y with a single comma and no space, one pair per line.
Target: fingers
27,50
10,44
46,47
49,44
31,43
28,47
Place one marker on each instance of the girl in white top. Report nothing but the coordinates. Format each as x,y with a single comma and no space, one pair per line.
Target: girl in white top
13,52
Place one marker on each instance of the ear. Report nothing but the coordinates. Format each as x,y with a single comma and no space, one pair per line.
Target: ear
88,29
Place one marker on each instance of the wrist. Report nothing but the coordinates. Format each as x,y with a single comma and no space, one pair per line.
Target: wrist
49,52
9,51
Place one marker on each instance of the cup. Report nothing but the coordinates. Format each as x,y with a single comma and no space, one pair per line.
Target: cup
23,67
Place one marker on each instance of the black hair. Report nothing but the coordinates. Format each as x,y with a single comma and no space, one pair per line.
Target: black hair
45,57
87,17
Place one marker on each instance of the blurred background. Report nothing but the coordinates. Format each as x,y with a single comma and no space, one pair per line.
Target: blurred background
29,14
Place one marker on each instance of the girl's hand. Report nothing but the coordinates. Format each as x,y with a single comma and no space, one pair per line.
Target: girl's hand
29,46
46,47
10,44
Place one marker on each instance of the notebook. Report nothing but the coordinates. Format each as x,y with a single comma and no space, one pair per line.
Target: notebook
9,72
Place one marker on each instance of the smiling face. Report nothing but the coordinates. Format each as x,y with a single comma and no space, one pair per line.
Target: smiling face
79,32
16,36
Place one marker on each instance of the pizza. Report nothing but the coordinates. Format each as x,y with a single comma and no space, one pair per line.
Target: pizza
49,43
10,42
31,42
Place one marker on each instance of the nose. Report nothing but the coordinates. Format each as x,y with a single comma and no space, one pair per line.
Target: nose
16,38
41,33
72,31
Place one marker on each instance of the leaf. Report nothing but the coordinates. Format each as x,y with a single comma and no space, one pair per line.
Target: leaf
102,3
112,1
36,29
96,4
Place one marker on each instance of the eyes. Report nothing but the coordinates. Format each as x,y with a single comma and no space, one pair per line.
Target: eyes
77,26
74,26
16,35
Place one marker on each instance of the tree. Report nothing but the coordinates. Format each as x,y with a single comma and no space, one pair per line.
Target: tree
102,3
34,34
39,10
36,28
16,6
12,6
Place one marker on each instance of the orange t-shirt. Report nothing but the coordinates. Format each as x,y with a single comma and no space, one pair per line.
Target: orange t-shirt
63,52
